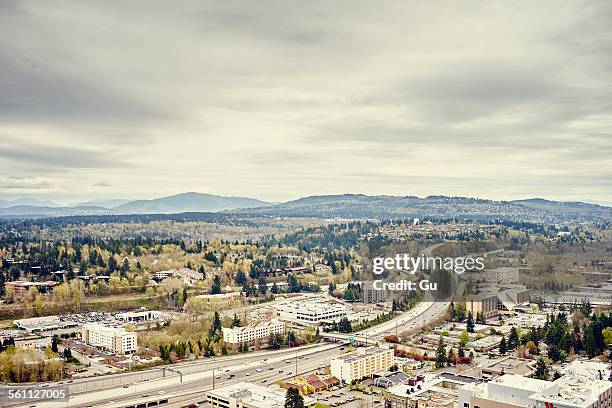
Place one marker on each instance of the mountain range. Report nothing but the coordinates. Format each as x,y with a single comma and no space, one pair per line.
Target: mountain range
328,206
184,202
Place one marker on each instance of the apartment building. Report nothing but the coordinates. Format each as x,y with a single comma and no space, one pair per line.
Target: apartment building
491,300
361,363
116,340
247,334
371,295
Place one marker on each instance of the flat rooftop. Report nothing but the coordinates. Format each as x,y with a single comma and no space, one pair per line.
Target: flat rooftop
255,395
357,355
578,391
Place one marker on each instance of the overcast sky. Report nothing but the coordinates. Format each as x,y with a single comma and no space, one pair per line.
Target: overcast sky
281,99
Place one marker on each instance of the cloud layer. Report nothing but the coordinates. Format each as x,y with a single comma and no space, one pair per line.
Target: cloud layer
280,99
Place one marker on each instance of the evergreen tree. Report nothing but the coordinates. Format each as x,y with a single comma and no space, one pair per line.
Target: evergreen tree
240,278
513,339
293,284
216,326
440,354
469,325
54,342
262,286
216,286
236,322
541,372
293,399
503,347
590,343
553,353
345,325
450,359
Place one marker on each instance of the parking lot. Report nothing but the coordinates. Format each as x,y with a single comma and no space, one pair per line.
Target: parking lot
346,398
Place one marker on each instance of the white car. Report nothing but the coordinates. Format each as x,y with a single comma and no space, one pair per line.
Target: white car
258,370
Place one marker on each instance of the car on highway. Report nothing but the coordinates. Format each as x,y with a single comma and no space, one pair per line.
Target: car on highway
248,374
258,370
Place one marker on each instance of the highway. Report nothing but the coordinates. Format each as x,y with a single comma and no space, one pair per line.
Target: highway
264,369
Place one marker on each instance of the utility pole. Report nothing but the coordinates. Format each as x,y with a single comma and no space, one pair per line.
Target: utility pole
213,379
296,357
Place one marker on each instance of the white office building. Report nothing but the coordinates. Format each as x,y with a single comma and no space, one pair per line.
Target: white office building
249,395
116,340
508,391
311,312
237,335
579,387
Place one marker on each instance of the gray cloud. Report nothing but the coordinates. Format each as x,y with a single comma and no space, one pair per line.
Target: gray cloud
280,99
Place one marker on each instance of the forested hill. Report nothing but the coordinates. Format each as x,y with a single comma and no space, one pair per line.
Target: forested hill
347,206
363,206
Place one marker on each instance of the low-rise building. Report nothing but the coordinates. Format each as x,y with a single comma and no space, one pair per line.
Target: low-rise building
20,288
249,395
139,316
116,340
311,311
579,387
440,392
247,334
361,363
575,391
45,323
507,391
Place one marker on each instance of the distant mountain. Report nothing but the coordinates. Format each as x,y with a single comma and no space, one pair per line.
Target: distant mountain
106,203
187,202
31,211
27,201
179,203
363,206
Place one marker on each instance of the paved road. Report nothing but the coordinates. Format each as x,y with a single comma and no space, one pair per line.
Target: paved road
261,370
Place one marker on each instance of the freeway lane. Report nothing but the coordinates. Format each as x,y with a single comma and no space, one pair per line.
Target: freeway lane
268,370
